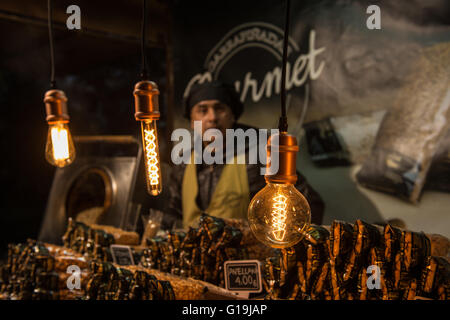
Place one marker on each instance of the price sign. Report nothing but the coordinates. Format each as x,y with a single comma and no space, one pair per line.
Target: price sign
243,276
122,255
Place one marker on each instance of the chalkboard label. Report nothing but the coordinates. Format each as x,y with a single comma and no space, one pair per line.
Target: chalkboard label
122,255
243,276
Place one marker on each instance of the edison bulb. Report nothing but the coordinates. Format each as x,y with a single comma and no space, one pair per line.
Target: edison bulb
151,157
279,215
59,150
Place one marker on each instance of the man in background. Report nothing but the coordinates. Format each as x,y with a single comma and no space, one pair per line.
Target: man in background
222,190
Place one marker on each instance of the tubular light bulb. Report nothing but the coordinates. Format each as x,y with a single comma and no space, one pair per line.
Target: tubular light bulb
278,215
151,157
59,150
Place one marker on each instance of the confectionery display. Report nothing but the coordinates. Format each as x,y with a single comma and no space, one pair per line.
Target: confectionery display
339,264
344,261
198,253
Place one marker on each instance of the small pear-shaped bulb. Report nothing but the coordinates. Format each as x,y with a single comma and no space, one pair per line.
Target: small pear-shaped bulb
279,215
151,157
59,150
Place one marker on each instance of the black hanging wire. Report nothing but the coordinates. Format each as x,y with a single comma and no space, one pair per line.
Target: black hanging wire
283,125
144,70
50,36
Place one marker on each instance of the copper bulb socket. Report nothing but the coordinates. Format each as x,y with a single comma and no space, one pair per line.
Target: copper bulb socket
56,106
287,158
146,101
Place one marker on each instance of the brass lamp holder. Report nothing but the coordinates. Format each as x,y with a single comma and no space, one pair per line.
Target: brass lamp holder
146,101
287,157
56,107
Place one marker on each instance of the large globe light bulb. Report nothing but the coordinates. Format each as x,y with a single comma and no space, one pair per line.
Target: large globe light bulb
151,157
147,112
279,214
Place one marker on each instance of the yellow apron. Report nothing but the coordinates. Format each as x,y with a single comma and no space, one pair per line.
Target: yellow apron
230,199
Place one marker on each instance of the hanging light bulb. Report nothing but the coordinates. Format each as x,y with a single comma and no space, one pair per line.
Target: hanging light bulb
59,149
146,106
279,214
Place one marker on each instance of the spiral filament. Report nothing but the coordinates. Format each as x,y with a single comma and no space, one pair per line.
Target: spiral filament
279,216
151,155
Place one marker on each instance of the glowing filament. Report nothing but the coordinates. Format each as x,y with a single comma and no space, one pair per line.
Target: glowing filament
60,142
279,216
151,156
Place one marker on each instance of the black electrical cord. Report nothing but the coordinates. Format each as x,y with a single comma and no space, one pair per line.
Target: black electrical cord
144,71
50,36
283,125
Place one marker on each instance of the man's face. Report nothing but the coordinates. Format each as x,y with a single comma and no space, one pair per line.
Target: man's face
213,114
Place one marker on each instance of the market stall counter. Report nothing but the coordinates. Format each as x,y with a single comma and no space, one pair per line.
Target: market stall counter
344,261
